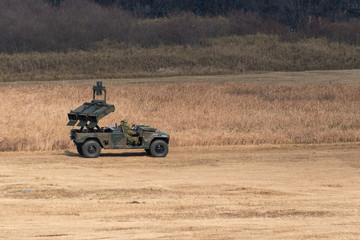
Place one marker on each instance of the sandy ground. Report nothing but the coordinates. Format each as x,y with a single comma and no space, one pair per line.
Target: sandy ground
251,192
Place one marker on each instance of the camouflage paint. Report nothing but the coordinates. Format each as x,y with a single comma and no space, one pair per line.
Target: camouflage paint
110,137
115,139
91,111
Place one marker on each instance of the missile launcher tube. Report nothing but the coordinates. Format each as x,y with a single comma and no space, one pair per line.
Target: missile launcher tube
90,113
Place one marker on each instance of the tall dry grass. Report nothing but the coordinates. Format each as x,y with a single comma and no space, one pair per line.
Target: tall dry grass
225,55
35,117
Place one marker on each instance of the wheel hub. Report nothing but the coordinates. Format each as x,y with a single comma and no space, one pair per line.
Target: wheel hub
159,148
91,149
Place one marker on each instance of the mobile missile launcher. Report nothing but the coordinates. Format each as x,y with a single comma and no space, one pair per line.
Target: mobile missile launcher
89,138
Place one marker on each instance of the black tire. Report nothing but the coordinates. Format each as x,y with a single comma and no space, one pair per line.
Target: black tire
79,149
159,148
148,151
91,149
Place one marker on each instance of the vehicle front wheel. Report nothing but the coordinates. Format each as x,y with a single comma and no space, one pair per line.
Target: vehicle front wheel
91,149
159,148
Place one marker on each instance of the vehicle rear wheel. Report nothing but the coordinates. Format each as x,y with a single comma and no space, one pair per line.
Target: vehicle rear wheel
91,149
159,148
79,149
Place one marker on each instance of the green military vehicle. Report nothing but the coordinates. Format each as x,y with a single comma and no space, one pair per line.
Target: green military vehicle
89,138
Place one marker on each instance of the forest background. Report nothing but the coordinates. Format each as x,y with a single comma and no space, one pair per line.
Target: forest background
64,25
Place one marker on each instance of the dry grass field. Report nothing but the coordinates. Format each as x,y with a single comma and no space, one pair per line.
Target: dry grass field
226,111
243,192
226,55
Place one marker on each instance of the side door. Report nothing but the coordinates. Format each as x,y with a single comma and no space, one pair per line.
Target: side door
118,138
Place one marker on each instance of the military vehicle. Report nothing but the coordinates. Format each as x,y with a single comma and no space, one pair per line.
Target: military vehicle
89,138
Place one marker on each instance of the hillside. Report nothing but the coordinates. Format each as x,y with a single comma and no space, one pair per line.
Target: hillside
226,55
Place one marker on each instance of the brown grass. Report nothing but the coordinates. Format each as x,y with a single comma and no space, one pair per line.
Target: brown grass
227,55
35,117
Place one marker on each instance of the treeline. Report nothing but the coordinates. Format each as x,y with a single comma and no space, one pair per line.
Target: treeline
290,12
54,25
33,25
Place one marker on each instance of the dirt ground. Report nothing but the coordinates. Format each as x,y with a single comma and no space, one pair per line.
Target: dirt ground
233,192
